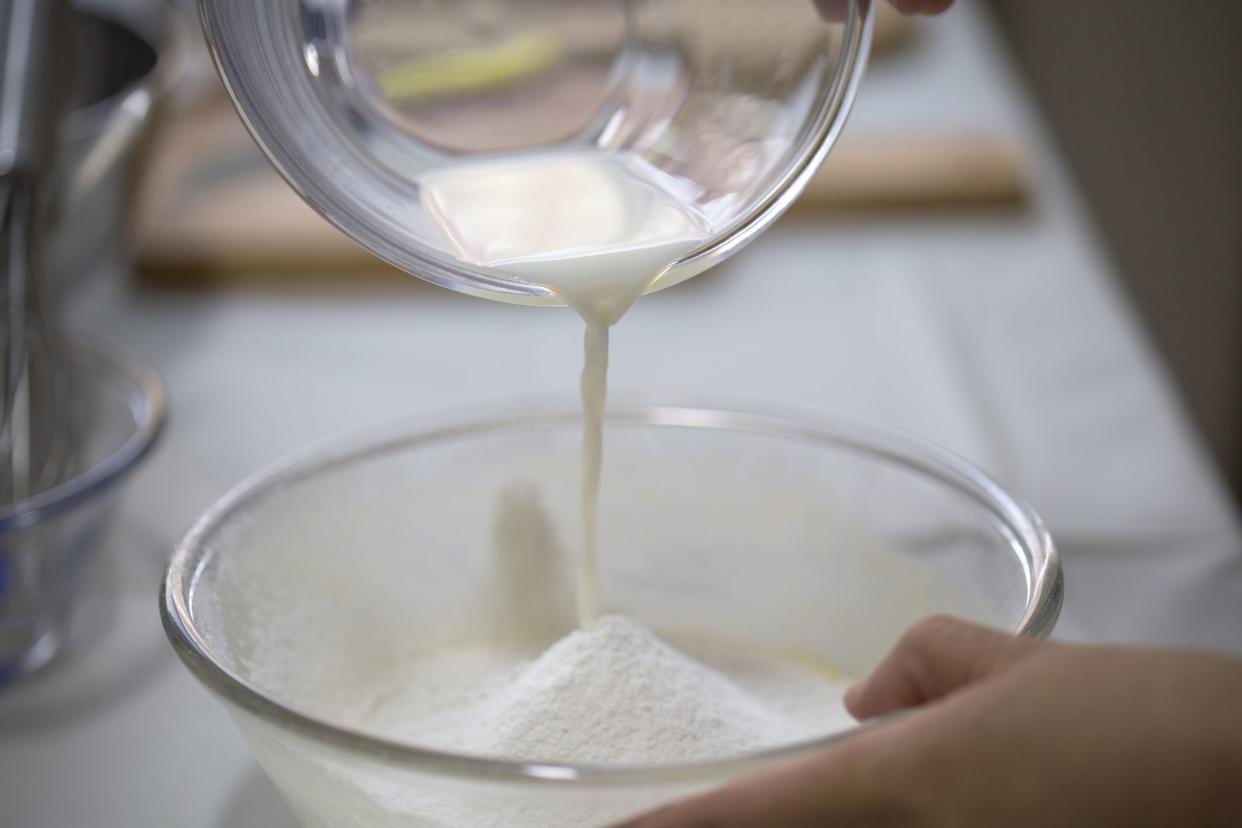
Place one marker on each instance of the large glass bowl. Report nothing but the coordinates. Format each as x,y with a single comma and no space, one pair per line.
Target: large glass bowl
814,535
734,102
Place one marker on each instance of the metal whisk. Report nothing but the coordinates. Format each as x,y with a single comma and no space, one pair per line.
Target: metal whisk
37,433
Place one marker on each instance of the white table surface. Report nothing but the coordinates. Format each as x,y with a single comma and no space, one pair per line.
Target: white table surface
1002,335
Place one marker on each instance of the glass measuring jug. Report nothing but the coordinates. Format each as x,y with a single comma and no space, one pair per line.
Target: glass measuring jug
727,106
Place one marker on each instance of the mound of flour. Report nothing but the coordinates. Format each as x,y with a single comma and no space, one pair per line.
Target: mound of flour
612,693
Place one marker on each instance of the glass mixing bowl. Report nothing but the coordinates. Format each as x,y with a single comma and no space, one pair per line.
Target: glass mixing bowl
733,102
49,541
814,535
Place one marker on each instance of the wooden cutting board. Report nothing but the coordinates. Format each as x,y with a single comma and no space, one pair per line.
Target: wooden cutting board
212,208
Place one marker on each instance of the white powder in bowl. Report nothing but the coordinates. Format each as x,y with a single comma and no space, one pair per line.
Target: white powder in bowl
611,693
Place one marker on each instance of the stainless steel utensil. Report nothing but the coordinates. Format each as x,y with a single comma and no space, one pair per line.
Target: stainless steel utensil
130,61
36,422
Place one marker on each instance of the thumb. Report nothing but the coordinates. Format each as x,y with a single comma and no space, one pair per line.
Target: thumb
932,659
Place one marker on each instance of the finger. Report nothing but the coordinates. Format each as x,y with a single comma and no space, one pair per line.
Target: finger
921,6
832,788
832,10
933,658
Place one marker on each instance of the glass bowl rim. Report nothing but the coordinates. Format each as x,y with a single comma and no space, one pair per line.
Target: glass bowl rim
826,125
150,414
1046,583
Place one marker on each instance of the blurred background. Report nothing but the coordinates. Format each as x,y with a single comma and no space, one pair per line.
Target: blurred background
1153,134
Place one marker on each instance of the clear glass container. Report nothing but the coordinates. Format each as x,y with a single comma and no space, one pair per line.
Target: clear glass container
731,103
817,536
48,541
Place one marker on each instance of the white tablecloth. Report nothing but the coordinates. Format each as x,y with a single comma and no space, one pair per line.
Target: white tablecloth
1001,335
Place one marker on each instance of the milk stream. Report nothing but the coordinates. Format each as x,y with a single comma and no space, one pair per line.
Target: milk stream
595,228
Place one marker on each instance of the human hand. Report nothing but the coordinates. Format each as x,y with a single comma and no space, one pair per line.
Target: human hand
835,9
921,6
1009,731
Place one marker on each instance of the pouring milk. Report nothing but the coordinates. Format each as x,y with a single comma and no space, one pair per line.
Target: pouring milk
595,228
